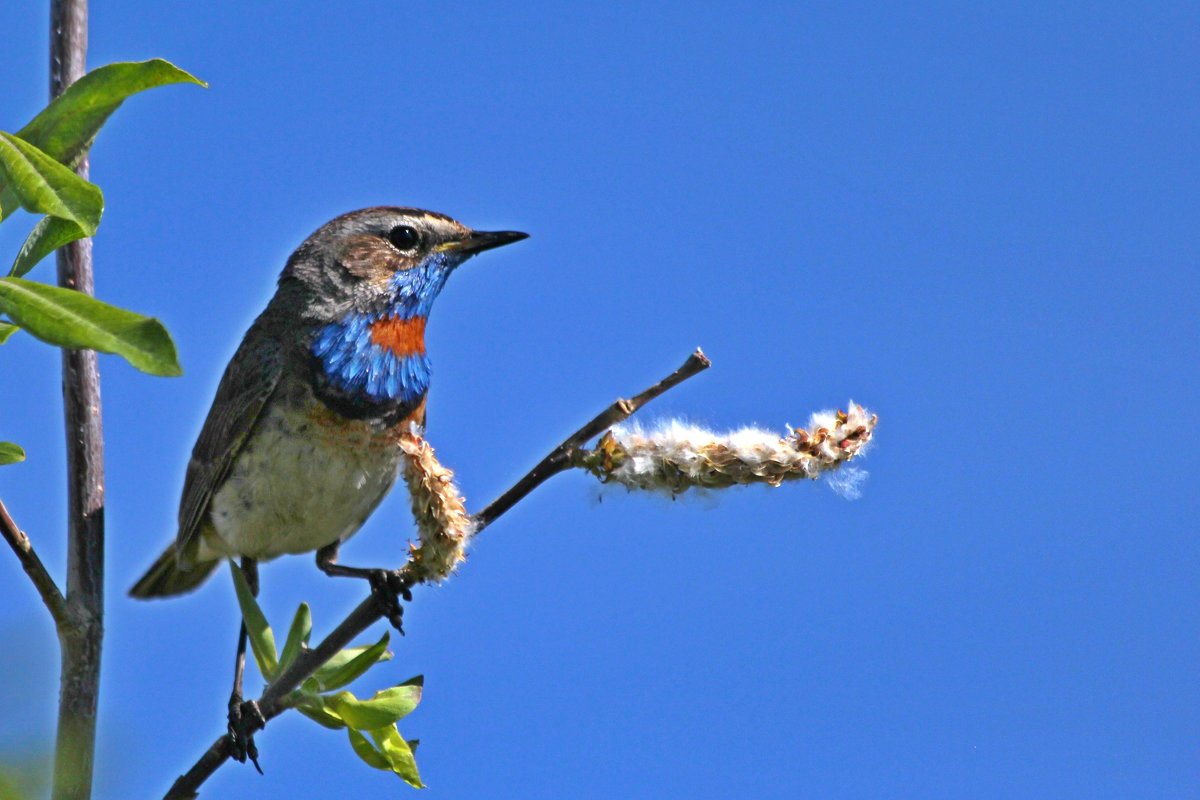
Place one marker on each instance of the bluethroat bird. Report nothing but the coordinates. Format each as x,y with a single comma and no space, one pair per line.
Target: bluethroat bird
302,441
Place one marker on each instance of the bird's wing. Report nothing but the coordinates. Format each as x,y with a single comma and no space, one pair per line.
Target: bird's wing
249,381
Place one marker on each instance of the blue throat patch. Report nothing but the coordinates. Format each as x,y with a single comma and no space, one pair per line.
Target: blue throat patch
365,370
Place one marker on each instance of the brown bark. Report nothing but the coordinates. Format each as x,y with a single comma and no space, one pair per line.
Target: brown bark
81,638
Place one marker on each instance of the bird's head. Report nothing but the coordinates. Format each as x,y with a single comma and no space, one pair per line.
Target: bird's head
365,283
384,261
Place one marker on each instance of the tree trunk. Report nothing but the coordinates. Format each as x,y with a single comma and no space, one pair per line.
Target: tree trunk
81,637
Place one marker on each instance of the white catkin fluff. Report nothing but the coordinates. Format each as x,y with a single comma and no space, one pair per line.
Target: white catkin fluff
674,456
848,481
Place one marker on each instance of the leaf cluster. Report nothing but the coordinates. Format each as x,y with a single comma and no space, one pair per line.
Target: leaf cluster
369,723
37,174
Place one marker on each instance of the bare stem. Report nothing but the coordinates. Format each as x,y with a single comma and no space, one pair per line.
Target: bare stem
274,700
559,458
81,640
34,568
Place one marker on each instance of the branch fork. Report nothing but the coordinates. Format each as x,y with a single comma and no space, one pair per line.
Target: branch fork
52,596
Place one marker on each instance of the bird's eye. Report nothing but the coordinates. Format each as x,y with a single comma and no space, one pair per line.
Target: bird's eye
404,237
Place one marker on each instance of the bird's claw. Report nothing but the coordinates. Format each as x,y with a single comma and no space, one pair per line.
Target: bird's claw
388,587
245,717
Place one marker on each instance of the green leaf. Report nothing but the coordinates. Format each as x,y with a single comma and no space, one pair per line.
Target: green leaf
385,708
65,128
68,318
262,640
10,453
297,636
47,236
313,706
399,754
348,664
367,752
7,330
44,186
323,717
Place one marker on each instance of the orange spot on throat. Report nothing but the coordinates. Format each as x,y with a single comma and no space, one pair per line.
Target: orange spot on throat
404,337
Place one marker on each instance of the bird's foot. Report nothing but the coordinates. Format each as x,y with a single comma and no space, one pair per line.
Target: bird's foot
388,587
244,718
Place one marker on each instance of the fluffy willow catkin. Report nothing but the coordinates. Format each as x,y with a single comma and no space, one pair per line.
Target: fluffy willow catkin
443,525
670,457
674,456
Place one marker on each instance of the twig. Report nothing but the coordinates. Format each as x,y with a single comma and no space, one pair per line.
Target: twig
559,459
274,700
79,682
34,568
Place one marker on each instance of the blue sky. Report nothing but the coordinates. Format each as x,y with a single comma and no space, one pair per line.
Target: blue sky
979,220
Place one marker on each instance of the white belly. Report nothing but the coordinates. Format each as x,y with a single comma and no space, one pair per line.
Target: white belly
307,480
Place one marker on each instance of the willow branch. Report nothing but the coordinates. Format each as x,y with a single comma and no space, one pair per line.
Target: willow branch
560,458
79,682
275,698
55,603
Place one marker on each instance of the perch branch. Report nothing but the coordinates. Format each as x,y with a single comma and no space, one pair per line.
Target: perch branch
274,700
559,459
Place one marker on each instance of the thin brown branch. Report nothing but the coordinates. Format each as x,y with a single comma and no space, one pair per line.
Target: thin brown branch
274,700
55,603
559,458
80,678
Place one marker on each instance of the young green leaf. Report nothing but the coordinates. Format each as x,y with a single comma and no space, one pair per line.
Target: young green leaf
262,640
66,127
313,706
385,708
348,664
366,751
10,453
47,236
297,636
68,318
7,330
399,754
44,186
323,717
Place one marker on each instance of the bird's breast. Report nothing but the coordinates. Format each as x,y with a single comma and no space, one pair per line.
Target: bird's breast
369,363
306,477
400,337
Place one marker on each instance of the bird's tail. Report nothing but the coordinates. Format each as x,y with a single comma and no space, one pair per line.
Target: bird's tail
167,577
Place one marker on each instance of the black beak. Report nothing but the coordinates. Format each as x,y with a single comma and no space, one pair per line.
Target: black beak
478,241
